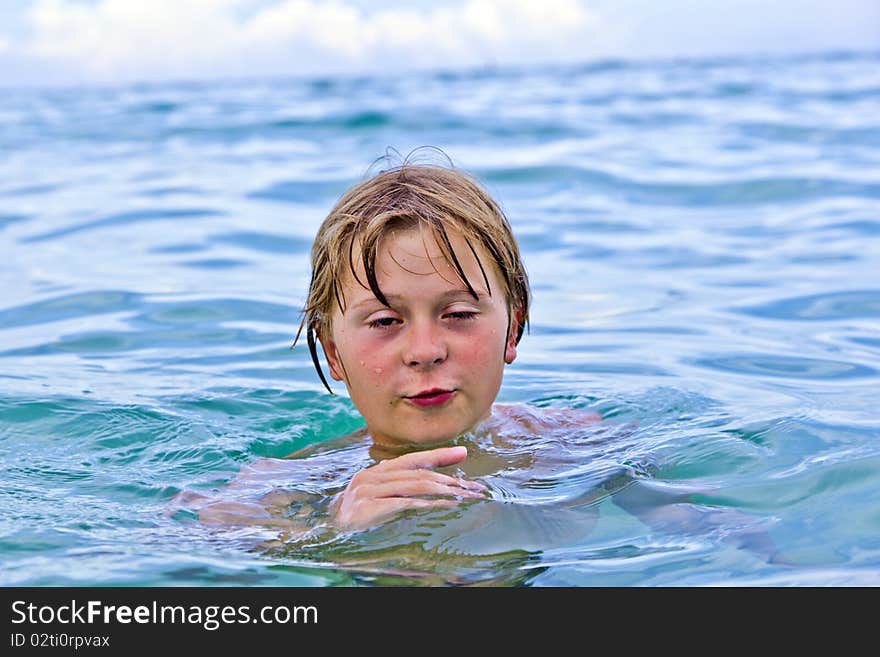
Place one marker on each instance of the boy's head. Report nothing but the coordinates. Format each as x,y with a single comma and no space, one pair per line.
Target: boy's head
418,297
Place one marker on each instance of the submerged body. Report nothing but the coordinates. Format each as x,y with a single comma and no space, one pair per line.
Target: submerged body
419,300
549,474
515,443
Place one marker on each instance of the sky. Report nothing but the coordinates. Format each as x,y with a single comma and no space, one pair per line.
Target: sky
75,42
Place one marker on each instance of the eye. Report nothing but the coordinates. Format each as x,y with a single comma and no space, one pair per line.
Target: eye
383,322
462,315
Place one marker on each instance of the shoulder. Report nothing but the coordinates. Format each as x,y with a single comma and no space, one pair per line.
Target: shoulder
535,418
312,469
356,437
571,415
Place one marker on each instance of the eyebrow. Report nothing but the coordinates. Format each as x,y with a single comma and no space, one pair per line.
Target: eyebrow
443,297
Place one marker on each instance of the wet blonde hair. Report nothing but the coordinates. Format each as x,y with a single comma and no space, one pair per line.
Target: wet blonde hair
409,196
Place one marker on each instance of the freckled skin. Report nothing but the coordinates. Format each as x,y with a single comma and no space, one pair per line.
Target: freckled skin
435,335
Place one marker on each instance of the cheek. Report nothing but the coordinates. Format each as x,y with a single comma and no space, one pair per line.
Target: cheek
484,350
370,365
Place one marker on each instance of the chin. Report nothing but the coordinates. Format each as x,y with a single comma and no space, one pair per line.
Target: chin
436,440
439,436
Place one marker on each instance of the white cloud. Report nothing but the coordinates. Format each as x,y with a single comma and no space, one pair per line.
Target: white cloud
126,39
122,40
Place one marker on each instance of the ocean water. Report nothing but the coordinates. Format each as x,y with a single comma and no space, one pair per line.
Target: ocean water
703,243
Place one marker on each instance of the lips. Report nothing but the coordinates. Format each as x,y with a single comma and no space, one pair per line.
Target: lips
432,391
432,397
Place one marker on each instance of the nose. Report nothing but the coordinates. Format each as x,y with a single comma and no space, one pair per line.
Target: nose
426,347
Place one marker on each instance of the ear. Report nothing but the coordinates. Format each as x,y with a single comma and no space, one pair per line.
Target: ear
512,333
332,355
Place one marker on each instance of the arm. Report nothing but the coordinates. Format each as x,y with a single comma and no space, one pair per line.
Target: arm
671,510
372,496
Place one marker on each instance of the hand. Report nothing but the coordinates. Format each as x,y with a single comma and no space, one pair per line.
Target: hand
382,490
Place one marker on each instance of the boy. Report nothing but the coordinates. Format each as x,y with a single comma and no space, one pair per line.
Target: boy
419,298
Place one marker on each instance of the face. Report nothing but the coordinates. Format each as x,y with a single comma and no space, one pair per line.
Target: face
428,368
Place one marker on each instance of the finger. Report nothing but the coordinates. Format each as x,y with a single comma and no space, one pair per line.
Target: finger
388,476
380,510
394,505
415,487
432,458
417,503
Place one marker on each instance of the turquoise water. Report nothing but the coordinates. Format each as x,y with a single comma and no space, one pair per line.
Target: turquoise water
703,241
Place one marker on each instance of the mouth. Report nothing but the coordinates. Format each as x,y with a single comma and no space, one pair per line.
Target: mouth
432,397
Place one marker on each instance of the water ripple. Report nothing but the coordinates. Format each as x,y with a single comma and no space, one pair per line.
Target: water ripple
124,219
300,191
701,239
790,367
264,242
830,306
70,306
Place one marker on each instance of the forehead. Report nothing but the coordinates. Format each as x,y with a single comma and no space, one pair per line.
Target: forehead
419,252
